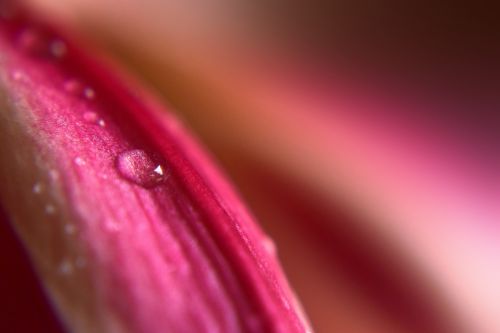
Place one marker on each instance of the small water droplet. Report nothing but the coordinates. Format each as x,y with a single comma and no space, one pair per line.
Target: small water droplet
58,48
269,245
69,229
112,225
73,86
101,123
37,188
65,267
89,93
54,174
19,75
50,209
80,161
90,117
76,87
140,168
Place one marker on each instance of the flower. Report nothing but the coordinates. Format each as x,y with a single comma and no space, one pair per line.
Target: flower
364,137
129,225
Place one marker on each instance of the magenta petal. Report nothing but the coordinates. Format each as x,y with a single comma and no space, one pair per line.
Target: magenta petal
130,226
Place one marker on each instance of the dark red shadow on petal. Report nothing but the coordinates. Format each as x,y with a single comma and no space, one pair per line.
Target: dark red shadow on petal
23,305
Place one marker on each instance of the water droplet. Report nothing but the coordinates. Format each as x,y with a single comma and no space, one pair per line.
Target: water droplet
37,188
65,267
58,48
73,86
76,87
69,229
50,209
269,245
140,168
80,161
101,123
54,174
89,93
19,75
90,117
112,225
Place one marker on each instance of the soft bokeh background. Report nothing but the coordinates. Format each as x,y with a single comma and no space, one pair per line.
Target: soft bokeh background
363,135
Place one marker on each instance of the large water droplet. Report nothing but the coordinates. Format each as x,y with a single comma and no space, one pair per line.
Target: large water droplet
141,168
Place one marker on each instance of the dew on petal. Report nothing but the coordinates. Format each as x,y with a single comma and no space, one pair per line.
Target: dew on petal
54,174
37,188
69,229
18,75
269,246
89,93
90,117
101,123
140,168
50,209
112,225
80,161
58,48
65,267
78,88
73,86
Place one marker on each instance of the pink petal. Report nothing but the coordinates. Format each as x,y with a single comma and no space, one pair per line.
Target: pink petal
129,224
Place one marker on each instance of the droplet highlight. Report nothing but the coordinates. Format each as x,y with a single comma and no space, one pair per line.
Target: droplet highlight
141,168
